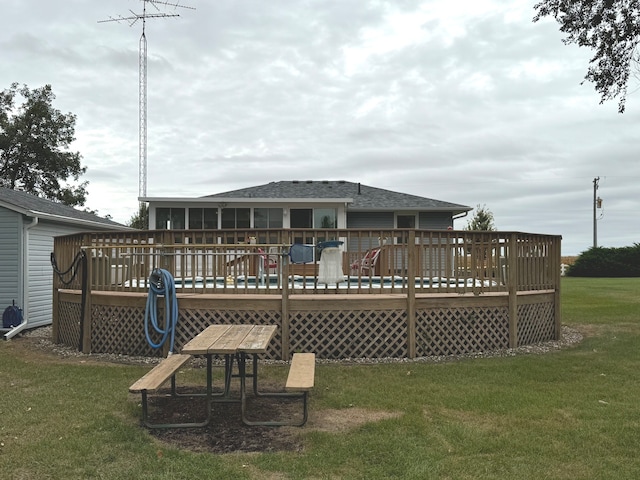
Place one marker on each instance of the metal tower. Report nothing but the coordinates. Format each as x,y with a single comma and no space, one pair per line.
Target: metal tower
142,80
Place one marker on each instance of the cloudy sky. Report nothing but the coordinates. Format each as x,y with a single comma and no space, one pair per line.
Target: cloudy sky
463,101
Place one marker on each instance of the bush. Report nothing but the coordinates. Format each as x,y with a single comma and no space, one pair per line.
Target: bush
607,262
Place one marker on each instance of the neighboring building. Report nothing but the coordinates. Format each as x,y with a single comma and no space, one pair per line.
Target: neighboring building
304,204
28,225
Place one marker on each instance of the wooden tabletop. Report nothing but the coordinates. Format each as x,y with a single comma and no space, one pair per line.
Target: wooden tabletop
228,339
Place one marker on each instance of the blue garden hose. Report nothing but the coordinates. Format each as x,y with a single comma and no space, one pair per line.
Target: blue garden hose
161,282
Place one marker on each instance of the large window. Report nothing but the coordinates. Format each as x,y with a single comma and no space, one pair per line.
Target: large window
314,218
236,218
203,218
172,218
325,218
267,218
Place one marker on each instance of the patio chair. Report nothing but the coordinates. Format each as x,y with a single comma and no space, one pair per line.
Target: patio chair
270,262
367,264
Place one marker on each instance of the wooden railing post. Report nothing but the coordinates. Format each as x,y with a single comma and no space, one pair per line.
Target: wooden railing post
557,307
411,294
285,312
512,282
86,308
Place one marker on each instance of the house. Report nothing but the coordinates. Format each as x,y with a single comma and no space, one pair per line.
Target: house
304,204
28,225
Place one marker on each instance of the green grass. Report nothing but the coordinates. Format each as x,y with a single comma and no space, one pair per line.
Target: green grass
572,414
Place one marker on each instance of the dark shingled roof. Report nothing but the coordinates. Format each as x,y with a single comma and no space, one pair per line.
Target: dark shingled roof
32,204
364,197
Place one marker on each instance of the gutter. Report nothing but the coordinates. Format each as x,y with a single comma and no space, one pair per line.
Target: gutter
25,280
456,217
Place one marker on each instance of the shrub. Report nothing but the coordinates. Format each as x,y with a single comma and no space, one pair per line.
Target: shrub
607,262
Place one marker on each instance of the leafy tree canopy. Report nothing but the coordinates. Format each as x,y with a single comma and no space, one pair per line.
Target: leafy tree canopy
609,27
482,220
141,219
34,143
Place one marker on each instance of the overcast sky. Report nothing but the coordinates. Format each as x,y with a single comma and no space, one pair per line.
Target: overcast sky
462,101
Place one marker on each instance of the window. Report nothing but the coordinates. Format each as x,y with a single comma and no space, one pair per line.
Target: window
301,218
406,221
325,218
203,218
236,218
267,218
314,218
172,218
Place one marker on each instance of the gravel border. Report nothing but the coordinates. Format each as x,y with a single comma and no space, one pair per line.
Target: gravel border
568,338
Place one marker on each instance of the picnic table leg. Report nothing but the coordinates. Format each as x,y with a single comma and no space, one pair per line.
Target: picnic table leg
243,397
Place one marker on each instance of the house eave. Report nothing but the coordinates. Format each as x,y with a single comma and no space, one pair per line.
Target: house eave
236,200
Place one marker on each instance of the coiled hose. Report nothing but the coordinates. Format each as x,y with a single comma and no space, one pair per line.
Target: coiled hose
161,283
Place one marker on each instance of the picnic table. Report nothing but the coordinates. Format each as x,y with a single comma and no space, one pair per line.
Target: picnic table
236,343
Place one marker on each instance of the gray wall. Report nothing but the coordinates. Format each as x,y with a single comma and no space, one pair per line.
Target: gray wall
10,258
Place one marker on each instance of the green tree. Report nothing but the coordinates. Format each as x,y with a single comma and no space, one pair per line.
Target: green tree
482,220
141,219
609,27
34,147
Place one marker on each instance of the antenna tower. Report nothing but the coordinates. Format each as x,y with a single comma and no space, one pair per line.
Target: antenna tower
142,78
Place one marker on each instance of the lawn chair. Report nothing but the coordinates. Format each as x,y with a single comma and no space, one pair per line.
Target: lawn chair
367,264
270,262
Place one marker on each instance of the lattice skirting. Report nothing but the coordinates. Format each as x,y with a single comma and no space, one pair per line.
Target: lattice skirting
351,329
69,316
536,323
454,331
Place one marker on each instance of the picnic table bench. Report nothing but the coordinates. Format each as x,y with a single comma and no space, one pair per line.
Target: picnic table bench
154,379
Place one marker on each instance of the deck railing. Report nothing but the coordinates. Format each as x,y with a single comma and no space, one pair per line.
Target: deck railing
408,292
373,261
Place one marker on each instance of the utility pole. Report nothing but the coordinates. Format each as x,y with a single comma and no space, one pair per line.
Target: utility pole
142,80
595,206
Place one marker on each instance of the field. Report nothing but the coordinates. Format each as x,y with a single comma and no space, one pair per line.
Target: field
571,413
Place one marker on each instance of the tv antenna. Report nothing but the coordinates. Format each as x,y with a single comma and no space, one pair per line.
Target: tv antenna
142,99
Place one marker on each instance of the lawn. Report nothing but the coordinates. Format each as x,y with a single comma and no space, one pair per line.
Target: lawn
570,414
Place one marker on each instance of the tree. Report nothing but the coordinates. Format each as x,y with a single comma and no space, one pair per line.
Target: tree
611,28
482,220
141,219
34,143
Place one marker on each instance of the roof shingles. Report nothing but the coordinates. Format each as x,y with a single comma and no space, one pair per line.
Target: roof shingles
363,197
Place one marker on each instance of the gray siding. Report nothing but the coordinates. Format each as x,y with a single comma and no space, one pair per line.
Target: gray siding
10,255
373,220
434,221
40,271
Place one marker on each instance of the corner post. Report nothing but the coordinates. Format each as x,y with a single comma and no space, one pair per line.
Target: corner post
411,294
512,282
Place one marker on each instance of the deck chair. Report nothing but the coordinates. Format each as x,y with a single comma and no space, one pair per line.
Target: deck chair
367,264
270,262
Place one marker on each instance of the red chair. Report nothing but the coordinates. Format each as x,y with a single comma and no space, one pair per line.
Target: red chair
367,264
269,262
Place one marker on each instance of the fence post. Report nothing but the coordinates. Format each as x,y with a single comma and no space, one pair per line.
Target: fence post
85,341
557,307
512,282
411,294
285,311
